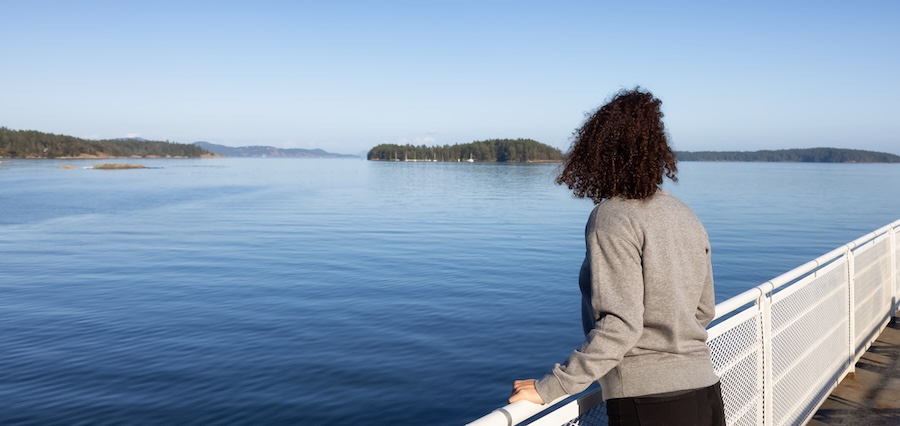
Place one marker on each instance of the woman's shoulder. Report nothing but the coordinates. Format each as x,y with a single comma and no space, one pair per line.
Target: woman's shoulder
616,214
633,212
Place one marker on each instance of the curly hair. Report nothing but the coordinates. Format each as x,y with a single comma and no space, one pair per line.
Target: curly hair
621,150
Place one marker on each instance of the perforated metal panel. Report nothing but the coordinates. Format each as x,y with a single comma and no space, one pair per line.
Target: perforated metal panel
596,416
810,326
872,269
737,357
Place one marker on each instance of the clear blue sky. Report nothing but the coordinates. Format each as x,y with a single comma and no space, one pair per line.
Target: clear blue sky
347,75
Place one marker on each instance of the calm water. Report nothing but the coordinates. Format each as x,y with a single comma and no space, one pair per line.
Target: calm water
275,291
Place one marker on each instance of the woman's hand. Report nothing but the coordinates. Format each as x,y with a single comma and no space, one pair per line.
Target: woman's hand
525,390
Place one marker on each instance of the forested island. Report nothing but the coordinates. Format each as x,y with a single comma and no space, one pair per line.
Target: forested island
34,144
808,155
493,150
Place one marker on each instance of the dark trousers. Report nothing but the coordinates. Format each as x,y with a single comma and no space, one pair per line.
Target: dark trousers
700,407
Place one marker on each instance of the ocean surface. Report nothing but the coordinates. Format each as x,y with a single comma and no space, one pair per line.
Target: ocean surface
288,291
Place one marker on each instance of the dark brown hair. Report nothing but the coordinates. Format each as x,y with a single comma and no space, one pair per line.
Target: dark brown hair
622,150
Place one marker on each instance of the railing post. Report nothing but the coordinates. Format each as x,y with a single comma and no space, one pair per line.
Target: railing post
889,285
895,283
851,310
765,304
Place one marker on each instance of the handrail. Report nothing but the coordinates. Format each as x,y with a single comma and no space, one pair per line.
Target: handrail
771,336
514,413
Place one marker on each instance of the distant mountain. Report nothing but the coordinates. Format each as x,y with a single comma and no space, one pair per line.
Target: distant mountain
268,151
808,155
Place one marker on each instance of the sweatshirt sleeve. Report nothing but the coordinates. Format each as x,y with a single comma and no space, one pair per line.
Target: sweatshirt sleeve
616,279
706,309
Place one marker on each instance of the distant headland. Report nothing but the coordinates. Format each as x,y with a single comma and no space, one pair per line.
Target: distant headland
34,144
268,151
807,155
493,150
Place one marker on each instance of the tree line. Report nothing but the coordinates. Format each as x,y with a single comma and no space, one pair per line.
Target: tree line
809,155
492,150
34,144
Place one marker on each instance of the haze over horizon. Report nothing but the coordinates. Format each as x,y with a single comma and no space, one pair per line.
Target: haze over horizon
348,75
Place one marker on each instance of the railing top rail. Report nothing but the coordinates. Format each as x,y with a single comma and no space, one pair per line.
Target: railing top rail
736,302
812,265
872,235
514,413
728,306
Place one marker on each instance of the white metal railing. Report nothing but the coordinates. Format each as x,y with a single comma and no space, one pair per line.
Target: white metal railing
780,348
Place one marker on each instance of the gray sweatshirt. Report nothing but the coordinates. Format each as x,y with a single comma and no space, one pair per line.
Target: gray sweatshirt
647,297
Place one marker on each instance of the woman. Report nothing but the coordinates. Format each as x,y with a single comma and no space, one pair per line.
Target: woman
646,281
